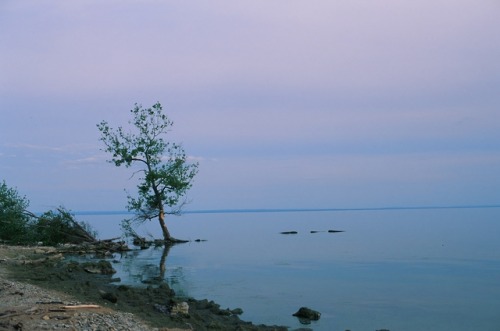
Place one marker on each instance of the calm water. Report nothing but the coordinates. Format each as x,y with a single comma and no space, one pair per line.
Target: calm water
394,269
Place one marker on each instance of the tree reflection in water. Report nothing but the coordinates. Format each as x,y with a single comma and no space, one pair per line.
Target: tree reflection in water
148,267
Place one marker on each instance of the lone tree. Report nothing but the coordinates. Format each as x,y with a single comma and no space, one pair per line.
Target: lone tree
166,174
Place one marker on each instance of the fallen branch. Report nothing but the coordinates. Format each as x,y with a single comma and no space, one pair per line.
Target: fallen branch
10,315
49,302
81,307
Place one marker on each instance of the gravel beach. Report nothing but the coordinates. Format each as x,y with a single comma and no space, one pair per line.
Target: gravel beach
28,307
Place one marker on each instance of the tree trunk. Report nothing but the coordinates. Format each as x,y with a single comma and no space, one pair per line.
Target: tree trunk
166,234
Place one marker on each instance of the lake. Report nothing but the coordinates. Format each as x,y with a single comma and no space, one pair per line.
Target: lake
416,269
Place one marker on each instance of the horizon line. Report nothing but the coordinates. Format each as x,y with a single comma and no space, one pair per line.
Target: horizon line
285,210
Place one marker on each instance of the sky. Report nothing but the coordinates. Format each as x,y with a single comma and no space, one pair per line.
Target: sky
284,104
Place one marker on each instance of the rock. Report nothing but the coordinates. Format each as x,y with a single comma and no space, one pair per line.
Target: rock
289,232
57,256
91,270
307,314
161,308
45,250
237,311
225,312
109,296
180,308
102,267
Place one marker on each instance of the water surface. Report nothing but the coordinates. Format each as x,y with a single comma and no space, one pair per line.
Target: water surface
429,269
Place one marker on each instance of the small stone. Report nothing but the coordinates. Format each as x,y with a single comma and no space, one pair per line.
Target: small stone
92,270
237,311
180,308
46,318
108,296
161,308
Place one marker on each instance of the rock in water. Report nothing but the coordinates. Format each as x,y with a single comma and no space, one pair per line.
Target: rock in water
289,232
308,314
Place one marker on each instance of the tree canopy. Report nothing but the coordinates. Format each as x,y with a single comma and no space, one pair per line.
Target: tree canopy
166,174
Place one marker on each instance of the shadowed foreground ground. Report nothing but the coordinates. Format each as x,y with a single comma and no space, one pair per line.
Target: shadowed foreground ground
39,291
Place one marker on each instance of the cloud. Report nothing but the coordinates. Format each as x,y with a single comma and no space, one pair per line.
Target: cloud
33,147
70,149
89,160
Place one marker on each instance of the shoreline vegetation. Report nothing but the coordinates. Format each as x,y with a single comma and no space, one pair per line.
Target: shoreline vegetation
41,289
39,269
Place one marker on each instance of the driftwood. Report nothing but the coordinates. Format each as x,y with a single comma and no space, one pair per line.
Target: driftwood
10,315
103,247
81,307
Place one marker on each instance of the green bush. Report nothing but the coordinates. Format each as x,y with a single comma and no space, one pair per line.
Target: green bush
56,227
14,220
19,226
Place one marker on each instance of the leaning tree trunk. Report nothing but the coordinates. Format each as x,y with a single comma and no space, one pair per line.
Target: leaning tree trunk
166,233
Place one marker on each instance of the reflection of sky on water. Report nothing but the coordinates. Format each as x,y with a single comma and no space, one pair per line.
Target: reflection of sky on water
406,270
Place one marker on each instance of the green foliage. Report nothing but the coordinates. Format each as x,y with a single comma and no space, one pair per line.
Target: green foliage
14,219
19,226
166,174
55,227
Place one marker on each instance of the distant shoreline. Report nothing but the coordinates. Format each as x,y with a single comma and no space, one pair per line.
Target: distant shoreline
289,210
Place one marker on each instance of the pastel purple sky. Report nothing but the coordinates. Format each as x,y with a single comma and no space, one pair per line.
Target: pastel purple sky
286,104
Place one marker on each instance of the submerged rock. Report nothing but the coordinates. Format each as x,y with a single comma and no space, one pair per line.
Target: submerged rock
289,232
307,314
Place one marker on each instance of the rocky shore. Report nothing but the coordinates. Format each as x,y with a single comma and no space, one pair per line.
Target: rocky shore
41,290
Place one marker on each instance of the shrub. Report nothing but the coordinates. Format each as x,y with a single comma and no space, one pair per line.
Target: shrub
56,227
14,220
19,226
